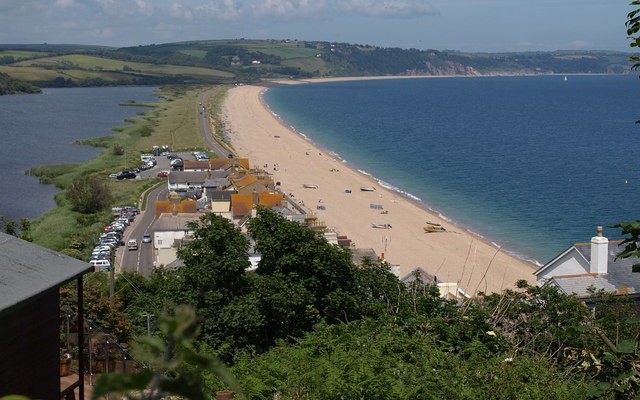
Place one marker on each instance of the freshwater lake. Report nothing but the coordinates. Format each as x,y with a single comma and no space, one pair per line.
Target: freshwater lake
40,129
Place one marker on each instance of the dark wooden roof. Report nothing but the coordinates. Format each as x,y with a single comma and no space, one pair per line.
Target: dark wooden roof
27,270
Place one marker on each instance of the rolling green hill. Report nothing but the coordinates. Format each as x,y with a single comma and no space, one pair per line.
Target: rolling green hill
228,61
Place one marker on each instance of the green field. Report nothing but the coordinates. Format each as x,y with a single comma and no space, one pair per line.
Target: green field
19,54
84,62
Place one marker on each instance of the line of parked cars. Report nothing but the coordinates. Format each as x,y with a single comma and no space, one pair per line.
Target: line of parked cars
112,237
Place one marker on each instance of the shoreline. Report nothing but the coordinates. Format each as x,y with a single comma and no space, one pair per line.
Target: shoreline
408,196
459,254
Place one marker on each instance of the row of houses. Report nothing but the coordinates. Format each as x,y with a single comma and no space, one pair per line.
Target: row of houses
231,189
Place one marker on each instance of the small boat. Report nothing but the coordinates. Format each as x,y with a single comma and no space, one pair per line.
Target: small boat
309,186
565,78
434,228
368,189
381,226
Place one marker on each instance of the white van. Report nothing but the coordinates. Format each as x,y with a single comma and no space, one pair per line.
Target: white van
101,265
132,244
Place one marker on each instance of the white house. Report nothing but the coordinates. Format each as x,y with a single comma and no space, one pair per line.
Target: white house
167,230
591,265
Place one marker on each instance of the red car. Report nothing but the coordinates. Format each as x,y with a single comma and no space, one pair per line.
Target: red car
163,174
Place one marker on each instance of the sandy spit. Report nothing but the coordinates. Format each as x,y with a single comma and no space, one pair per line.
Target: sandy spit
455,256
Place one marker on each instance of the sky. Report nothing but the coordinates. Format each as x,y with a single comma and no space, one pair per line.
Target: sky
465,25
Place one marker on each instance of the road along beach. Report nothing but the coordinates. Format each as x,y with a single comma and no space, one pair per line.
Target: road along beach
355,205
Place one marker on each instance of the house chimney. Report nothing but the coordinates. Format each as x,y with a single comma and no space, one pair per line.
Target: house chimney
599,253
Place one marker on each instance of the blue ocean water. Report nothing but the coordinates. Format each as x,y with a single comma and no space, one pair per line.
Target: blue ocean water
41,129
533,164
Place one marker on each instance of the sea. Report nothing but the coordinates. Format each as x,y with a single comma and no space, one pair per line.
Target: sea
531,163
40,129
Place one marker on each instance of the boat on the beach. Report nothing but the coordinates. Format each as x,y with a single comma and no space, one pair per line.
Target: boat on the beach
431,227
381,226
368,189
309,186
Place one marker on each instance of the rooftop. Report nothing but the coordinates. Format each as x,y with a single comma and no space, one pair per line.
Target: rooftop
27,270
619,277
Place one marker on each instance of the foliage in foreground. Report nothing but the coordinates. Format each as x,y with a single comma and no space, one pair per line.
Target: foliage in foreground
309,324
174,367
399,359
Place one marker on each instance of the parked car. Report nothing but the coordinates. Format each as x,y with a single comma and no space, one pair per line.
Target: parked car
133,209
117,226
111,242
123,220
126,175
102,265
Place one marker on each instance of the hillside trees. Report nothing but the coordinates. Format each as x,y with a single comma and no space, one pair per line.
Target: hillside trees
301,281
9,85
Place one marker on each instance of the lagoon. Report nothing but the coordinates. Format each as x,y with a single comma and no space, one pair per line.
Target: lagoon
40,129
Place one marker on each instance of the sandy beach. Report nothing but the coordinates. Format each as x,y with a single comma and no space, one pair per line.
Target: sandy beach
453,256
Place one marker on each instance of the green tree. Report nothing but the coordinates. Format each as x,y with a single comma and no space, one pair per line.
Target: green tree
215,262
298,254
88,194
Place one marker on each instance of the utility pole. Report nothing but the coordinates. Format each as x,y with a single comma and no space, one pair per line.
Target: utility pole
149,316
112,277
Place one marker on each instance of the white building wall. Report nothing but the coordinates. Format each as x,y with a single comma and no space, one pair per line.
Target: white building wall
163,244
572,263
165,257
